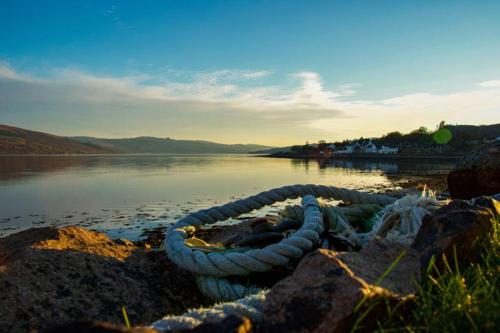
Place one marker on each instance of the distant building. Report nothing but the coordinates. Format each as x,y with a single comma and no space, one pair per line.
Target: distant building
370,147
388,150
327,152
365,147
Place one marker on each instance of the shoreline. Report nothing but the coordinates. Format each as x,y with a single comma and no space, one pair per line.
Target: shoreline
121,154
135,222
393,157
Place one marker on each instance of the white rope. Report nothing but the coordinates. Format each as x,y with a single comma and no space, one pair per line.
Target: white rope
399,220
250,307
258,260
220,289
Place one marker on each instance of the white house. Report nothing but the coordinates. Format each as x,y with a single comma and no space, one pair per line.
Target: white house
370,147
388,150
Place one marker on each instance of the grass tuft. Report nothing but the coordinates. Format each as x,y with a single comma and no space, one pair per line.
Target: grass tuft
455,298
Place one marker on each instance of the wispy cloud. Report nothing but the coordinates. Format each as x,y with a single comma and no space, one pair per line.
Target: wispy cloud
7,72
115,16
226,105
490,84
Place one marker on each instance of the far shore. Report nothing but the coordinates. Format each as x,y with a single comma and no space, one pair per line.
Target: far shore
118,154
366,156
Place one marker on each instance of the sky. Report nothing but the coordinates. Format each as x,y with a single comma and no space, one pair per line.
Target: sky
236,71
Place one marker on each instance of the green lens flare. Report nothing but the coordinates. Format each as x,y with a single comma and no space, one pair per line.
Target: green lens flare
442,136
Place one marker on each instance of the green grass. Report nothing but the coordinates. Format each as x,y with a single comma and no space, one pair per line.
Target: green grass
125,317
454,298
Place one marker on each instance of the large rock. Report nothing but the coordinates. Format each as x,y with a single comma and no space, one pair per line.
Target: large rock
478,173
458,226
51,277
322,294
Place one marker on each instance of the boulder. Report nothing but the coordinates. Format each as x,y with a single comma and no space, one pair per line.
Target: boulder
477,173
51,277
329,290
323,293
458,227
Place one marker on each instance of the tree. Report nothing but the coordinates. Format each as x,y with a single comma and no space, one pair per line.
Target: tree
421,130
392,138
321,144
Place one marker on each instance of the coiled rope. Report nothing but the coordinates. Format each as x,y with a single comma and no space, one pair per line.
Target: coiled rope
258,260
249,299
250,307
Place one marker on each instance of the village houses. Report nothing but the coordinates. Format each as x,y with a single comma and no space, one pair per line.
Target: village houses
362,147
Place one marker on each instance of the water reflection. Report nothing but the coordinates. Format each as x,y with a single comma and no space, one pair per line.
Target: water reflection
14,167
391,167
122,194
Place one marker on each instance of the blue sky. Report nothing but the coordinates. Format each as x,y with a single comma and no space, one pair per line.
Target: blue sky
219,70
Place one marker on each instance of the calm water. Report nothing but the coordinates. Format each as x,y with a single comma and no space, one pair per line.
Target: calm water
123,194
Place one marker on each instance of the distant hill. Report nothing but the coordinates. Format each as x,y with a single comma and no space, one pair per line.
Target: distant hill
472,132
278,150
273,150
447,141
463,136
145,144
20,141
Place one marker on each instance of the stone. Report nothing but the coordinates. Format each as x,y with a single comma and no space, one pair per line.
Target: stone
261,239
258,221
287,224
229,241
477,173
327,286
51,277
325,291
456,227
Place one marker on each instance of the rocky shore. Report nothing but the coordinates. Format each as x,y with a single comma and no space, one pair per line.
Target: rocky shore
73,279
51,276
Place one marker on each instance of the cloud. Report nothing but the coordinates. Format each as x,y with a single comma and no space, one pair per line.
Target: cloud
490,84
407,112
113,13
207,105
225,105
7,72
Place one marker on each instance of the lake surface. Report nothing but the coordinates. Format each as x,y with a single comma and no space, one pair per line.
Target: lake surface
124,194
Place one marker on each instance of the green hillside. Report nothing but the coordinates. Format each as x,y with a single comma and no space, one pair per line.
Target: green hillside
144,144
18,141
